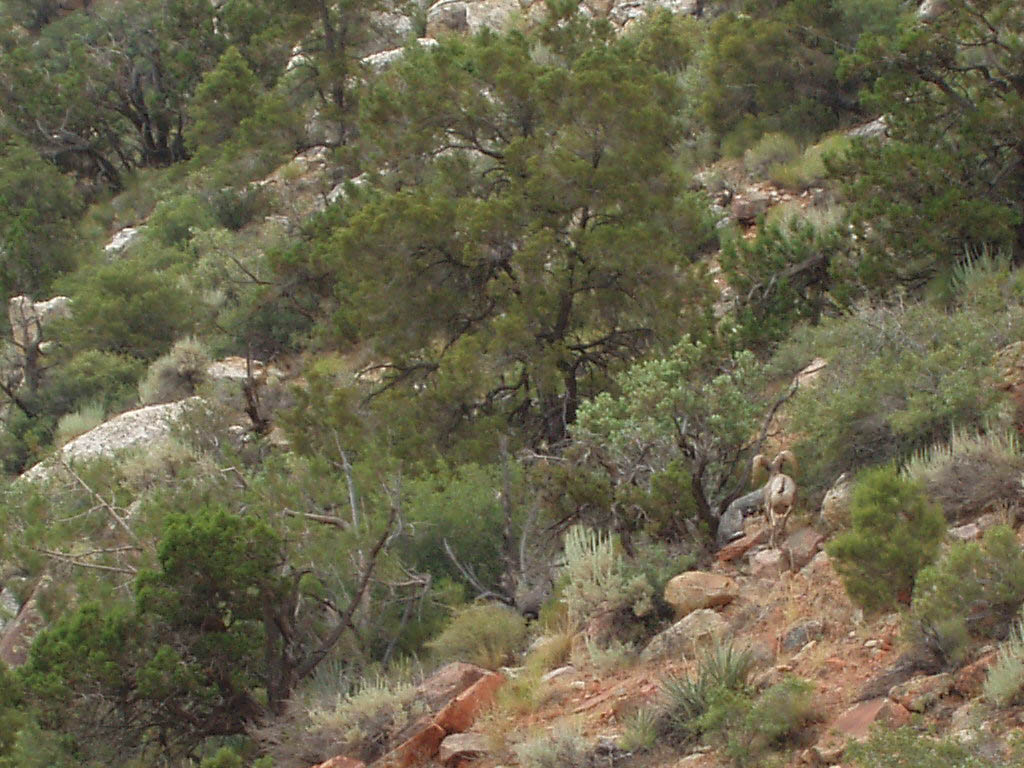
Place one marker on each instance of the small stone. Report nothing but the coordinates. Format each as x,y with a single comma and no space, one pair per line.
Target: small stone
871,644
802,633
548,676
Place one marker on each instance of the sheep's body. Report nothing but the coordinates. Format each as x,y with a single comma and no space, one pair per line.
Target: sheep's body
779,494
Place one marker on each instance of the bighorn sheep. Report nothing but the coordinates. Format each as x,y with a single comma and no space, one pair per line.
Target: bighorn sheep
779,493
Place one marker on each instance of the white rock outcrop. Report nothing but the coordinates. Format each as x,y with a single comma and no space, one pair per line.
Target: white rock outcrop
132,429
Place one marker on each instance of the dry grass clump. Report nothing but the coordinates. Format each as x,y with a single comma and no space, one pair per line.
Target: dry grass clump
971,474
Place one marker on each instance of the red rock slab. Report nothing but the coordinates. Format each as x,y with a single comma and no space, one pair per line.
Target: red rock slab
419,748
855,722
740,547
461,711
970,679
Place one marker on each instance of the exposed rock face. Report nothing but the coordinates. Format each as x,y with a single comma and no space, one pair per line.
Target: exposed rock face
121,240
19,633
382,59
462,746
698,630
876,129
797,637
140,427
835,507
693,590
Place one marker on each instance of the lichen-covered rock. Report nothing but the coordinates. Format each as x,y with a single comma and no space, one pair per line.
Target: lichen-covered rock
693,590
801,634
687,636
462,746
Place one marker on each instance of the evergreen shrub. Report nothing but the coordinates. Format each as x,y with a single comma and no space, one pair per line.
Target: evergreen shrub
973,592
895,531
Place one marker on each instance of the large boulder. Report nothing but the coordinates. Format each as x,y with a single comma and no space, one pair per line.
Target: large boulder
835,507
693,590
801,546
689,635
133,429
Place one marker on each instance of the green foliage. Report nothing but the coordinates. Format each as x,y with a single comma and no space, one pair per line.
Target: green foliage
898,379
895,531
519,272
771,150
226,95
783,276
1004,681
106,91
362,723
681,408
971,472
974,591
949,176
597,580
810,168
764,75
76,423
899,747
177,374
641,731
115,310
488,635
176,220
749,727
38,211
721,669
92,376
233,209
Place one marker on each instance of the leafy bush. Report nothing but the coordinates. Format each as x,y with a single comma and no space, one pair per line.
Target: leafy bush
71,425
895,531
898,379
597,581
1004,682
971,473
234,208
809,168
687,699
973,592
177,374
362,723
489,635
563,748
771,150
902,747
93,376
176,219
749,726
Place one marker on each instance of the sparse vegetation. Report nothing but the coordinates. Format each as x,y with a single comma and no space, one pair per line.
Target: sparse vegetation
1004,682
563,748
489,635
